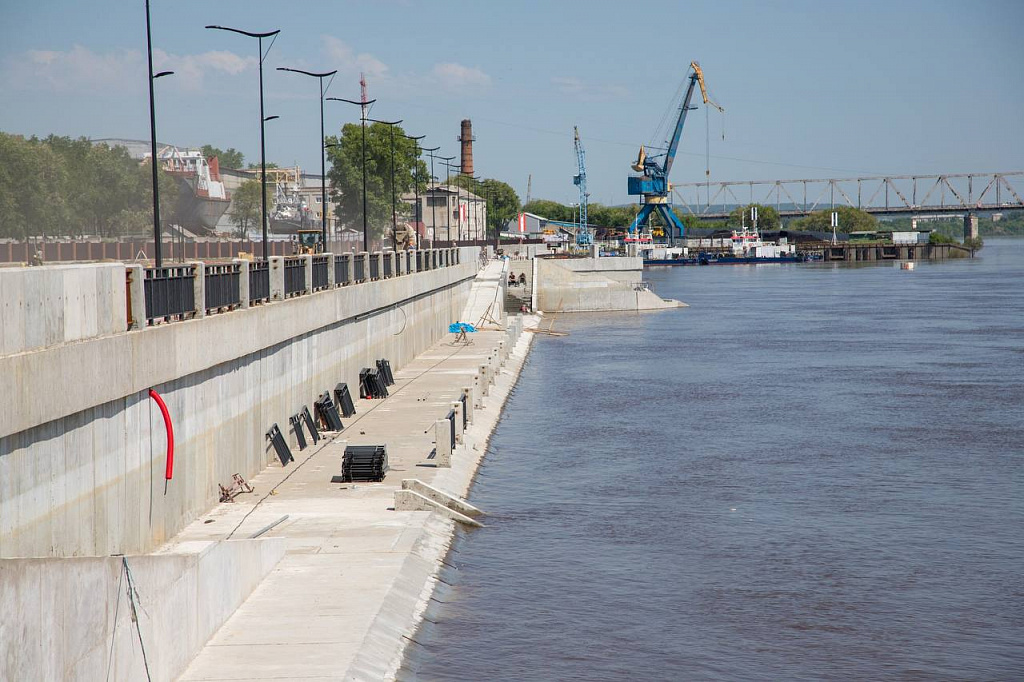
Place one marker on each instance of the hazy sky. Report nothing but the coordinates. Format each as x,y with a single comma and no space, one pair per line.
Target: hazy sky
811,89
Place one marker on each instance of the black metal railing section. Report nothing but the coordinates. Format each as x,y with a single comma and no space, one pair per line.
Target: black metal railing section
320,274
294,276
221,283
341,269
170,292
259,281
388,265
419,261
408,262
374,266
435,261
359,268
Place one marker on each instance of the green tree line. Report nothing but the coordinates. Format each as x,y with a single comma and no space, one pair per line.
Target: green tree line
60,186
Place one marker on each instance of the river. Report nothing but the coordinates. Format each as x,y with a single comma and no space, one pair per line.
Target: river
814,472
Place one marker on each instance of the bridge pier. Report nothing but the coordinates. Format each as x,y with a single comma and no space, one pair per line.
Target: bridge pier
970,226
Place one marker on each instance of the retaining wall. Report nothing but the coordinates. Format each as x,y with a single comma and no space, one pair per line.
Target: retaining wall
70,619
594,285
82,446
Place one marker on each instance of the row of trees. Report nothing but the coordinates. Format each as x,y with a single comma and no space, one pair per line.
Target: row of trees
59,186
386,145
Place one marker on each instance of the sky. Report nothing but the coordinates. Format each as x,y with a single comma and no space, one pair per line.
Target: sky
811,89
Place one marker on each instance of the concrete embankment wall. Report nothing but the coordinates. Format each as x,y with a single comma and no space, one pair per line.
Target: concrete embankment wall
82,446
594,285
71,619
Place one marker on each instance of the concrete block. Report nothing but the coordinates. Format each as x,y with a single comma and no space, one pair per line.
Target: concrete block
199,287
243,282
276,278
443,443
407,500
308,272
441,497
457,408
136,296
412,261
330,270
470,402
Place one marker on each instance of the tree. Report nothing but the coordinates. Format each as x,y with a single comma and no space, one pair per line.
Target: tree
767,217
229,158
502,202
850,220
245,206
346,174
552,210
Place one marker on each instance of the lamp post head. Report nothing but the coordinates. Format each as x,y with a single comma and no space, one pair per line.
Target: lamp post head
314,74
162,74
271,118
246,33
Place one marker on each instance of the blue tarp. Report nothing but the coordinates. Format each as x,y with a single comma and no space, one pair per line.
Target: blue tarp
456,327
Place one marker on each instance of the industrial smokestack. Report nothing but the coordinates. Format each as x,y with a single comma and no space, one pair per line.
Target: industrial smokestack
466,138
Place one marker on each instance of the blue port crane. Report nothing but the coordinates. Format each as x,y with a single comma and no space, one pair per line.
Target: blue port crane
583,236
653,184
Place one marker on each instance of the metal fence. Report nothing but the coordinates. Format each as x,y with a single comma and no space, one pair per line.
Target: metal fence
341,269
294,276
221,284
320,274
259,281
170,292
359,267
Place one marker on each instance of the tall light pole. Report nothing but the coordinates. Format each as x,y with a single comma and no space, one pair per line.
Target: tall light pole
263,120
394,211
445,160
323,151
476,207
433,213
458,199
362,104
416,180
152,134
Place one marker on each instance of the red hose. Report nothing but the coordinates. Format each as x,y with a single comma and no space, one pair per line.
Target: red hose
169,471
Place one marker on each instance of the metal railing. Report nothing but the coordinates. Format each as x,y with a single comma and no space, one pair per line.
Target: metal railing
321,279
341,269
259,281
294,276
221,285
359,268
170,292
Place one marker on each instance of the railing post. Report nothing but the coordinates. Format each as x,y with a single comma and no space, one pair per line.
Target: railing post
137,295
412,260
348,268
199,287
307,274
243,282
276,278
330,270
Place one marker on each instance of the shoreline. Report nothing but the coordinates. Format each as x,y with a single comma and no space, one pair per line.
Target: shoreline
356,576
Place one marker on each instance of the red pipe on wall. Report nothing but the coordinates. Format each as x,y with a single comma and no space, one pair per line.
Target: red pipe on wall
169,471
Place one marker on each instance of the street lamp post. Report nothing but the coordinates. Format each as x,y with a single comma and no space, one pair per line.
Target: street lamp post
394,210
433,207
362,104
476,207
323,151
416,181
458,199
445,161
152,133
263,120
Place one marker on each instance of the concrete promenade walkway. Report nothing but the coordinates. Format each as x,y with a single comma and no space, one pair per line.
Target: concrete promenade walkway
347,596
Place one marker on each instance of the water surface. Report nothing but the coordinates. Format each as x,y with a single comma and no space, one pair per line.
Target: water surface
814,472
